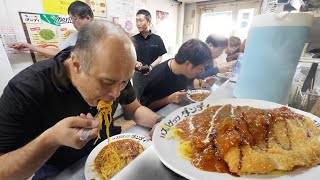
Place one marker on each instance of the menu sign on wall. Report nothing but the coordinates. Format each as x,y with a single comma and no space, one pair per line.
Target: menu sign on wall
46,30
99,7
56,6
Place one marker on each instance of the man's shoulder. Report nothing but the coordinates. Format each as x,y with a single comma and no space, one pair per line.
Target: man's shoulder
156,36
161,67
70,41
158,72
32,71
136,36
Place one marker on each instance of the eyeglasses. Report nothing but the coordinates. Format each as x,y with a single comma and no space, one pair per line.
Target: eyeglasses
74,18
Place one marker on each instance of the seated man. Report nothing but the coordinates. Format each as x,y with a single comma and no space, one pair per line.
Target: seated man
216,44
167,80
233,49
45,108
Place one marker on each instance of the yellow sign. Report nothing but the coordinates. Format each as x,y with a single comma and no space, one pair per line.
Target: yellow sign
56,6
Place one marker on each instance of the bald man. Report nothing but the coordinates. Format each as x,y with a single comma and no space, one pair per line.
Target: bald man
44,108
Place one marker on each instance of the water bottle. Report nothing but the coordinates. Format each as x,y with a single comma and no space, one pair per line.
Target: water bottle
236,69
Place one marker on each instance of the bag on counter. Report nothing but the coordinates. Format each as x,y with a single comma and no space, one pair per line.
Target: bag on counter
305,92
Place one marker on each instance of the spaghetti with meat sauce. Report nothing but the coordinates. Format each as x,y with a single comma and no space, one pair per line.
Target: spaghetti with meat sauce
107,164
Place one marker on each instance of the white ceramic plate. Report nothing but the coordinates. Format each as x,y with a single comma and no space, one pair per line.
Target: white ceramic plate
167,148
89,166
195,92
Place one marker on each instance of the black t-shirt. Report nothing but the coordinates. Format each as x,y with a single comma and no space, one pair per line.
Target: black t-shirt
148,49
161,82
39,97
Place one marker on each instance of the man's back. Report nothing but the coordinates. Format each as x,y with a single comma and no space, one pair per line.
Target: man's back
162,82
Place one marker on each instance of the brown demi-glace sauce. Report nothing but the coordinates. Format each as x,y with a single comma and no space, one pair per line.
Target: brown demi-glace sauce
199,96
233,127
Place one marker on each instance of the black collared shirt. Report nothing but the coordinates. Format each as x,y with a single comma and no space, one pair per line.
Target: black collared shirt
148,49
39,97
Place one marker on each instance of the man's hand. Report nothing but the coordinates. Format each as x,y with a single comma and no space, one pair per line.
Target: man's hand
150,133
176,97
209,81
139,66
20,46
67,132
226,67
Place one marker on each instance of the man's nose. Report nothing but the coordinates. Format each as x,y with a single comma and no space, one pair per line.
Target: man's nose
115,90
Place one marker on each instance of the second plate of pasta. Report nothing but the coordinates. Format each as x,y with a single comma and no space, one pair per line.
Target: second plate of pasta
105,161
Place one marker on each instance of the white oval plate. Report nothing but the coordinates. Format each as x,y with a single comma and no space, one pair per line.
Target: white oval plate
195,92
167,148
89,166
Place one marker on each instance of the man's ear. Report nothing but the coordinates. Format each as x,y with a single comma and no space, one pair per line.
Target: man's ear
75,63
188,64
88,18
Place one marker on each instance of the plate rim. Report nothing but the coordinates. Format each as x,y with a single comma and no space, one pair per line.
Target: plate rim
98,148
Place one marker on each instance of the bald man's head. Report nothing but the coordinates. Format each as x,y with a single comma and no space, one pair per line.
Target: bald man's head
102,62
96,32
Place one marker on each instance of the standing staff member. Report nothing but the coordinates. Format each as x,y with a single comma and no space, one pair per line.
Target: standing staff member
80,14
149,49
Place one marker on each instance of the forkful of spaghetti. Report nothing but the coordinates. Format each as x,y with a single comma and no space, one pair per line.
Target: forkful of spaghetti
104,114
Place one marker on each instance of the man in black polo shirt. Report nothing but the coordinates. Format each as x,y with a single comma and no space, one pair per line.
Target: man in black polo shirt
166,82
45,108
149,49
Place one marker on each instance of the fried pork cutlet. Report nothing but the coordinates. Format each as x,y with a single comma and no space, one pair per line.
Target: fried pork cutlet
243,140
286,141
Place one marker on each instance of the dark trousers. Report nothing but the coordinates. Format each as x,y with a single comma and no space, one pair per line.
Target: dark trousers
138,84
46,171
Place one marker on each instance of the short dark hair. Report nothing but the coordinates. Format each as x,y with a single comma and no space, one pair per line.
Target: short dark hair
217,40
80,9
195,51
234,41
146,14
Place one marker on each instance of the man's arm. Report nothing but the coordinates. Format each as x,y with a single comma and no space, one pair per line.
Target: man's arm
48,52
156,62
232,57
25,161
161,51
172,98
23,46
142,115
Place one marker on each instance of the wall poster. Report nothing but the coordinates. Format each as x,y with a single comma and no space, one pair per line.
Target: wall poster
45,30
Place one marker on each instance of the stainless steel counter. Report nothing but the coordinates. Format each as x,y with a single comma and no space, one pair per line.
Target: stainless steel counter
147,165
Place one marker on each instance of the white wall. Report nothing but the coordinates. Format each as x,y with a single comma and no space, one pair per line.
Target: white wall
169,35
190,20
9,17
6,72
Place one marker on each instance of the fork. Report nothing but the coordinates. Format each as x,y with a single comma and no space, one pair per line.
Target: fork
86,132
